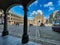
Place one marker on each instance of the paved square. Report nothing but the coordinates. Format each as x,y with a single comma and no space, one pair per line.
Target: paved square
9,40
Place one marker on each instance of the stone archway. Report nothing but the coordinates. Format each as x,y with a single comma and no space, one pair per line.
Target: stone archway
12,5
5,31
4,4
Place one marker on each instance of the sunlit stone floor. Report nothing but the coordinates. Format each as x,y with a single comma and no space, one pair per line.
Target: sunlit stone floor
10,40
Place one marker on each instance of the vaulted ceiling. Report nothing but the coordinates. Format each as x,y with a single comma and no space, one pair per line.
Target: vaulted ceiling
4,4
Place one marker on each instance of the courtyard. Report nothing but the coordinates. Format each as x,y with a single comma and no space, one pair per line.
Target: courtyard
37,34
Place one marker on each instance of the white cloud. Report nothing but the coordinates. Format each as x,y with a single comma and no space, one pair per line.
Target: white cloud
40,11
36,12
32,14
58,2
34,3
48,4
51,8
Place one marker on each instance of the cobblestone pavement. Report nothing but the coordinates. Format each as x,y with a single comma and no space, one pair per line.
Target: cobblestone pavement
35,32
10,40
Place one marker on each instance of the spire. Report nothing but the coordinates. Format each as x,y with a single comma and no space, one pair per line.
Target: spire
34,14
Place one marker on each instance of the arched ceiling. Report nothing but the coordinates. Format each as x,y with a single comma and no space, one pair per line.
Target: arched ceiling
4,4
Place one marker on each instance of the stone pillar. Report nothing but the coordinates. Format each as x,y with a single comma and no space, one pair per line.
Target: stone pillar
5,31
25,37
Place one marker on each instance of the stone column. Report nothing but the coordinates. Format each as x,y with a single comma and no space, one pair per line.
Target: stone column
5,31
25,37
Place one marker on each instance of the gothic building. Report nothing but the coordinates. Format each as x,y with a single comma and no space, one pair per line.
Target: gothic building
38,19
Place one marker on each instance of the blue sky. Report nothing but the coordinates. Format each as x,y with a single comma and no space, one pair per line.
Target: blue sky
46,7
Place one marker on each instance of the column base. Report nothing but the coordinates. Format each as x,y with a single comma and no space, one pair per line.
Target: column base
25,39
4,33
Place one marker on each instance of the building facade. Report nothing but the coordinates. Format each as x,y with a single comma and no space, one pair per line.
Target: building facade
1,16
12,19
55,17
15,19
38,19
